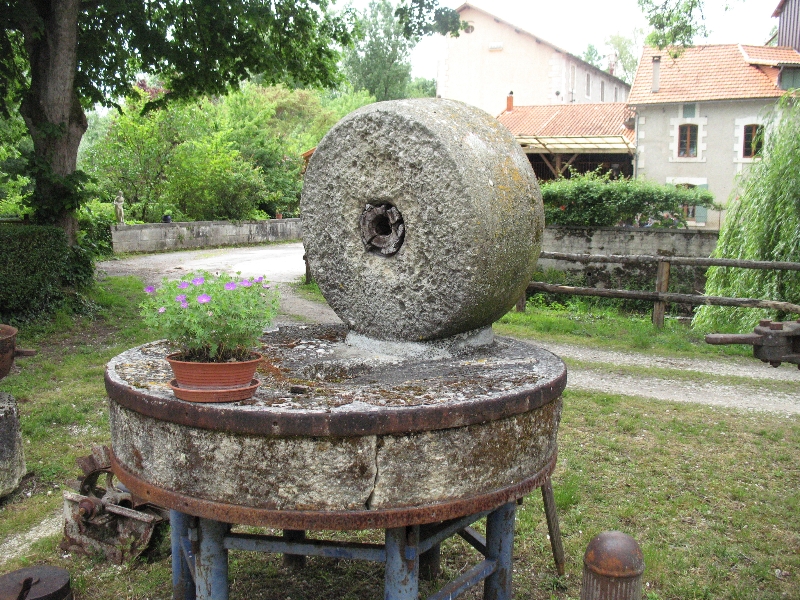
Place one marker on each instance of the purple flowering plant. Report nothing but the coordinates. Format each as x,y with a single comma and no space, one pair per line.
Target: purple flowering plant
210,318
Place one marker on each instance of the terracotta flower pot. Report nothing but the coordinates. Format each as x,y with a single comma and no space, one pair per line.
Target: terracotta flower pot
213,382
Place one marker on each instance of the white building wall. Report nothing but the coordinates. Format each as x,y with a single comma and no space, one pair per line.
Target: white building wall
483,66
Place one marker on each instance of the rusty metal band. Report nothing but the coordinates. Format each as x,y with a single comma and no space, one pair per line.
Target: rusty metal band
271,421
332,520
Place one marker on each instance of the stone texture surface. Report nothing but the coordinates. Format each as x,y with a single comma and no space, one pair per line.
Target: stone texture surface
470,205
464,461
12,454
274,473
318,473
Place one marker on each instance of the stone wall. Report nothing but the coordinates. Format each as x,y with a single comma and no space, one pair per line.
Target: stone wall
627,241
154,237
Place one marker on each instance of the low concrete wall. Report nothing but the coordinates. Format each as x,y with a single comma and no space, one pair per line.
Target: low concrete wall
628,241
154,237
625,240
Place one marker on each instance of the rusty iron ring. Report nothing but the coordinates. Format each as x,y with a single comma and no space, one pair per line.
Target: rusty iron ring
331,520
281,422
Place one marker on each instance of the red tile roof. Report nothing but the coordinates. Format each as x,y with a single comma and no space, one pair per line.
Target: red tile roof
770,55
569,120
719,72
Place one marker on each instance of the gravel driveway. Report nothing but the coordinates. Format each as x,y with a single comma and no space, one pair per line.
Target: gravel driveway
746,382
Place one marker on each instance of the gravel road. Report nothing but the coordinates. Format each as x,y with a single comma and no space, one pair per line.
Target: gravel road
600,370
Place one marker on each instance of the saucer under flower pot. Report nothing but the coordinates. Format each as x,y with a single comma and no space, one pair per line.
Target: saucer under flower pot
206,381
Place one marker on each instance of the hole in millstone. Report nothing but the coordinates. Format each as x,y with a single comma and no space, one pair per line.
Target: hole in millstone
382,229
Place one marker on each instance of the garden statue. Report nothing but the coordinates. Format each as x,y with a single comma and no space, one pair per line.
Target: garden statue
119,208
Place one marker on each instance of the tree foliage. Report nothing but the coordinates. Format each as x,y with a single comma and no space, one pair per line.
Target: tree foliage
627,55
762,223
59,57
378,62
675,23
596,200
592,56
234,157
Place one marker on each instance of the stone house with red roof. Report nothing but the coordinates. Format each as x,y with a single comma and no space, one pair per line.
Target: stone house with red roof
699,116
492,56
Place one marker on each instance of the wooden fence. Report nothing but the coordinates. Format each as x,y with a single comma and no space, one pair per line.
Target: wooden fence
660,296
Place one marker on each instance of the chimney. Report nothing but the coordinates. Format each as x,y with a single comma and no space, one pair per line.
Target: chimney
656,72
510,102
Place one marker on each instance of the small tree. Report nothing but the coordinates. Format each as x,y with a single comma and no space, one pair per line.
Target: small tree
762,223
379,62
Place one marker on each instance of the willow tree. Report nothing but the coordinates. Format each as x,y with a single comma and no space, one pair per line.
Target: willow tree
59,57
762,223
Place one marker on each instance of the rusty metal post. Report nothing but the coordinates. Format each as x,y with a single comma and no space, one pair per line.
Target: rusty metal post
294,561
499,545
401,580
552,525
662,286
612,568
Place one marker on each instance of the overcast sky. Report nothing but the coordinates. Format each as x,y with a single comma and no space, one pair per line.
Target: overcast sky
573,24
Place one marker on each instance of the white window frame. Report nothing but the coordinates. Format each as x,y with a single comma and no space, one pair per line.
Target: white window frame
738,140
588,89
675,124
602,91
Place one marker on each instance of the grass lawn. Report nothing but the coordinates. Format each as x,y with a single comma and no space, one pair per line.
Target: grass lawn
710,494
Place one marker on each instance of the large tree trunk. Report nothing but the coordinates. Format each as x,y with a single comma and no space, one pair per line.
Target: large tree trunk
51,108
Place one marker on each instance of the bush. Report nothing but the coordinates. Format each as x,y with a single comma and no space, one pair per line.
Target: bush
95,220
37,270
208,180
596,200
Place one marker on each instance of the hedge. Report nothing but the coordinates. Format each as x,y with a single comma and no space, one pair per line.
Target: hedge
38,270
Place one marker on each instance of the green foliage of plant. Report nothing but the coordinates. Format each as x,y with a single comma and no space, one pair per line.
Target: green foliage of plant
36,270
209,180
595,200
213,318
419,87
378,62
15,144
675,23
592,56
235,157
762,223
95,219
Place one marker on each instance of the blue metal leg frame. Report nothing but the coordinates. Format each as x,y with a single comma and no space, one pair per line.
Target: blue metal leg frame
200,553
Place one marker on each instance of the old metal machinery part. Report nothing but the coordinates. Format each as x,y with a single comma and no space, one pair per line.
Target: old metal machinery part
773,342
103,517
41,582
382,229
613,565
422,219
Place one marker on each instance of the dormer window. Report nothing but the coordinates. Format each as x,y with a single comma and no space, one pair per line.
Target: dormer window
753,140
687,141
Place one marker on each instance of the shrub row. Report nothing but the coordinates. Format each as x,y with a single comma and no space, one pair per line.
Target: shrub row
38,271
596,200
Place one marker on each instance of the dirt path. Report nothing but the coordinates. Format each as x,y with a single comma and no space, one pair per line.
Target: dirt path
600,369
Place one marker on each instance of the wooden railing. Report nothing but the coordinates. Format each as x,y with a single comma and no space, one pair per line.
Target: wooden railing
660,296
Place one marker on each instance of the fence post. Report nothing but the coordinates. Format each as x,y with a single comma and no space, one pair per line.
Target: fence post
662,285
520,307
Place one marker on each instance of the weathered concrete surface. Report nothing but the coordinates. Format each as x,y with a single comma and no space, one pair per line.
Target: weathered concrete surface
471,212
462,462
336,427
286,473
12,454
156,237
